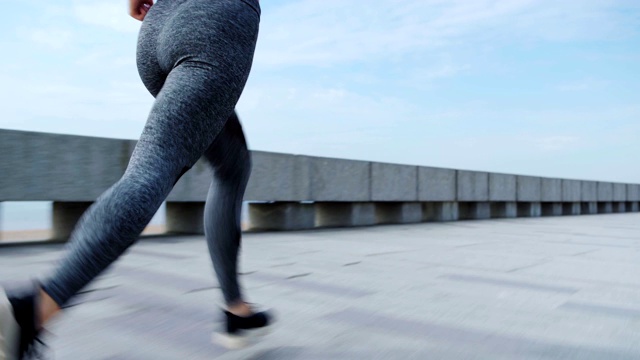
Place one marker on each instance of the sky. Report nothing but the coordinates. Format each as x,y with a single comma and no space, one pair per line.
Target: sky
535,87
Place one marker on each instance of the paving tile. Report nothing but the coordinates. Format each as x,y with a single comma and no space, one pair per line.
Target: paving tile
543,288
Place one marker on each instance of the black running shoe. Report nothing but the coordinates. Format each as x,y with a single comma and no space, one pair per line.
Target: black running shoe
18,333
241,331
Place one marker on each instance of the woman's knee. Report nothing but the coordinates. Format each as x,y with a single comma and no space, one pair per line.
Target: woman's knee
229,155
158,176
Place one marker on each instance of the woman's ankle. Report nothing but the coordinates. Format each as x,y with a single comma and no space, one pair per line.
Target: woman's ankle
240,308
47,308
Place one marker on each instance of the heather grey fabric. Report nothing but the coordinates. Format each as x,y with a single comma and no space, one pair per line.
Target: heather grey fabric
194,56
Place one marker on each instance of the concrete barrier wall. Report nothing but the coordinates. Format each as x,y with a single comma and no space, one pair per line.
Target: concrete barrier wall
473,186
551,190
436,184
589,191
619,192
391,182
633,192
529,189
50,167
278,177
502,187
76,170
605,191
571,190
193,185
338,180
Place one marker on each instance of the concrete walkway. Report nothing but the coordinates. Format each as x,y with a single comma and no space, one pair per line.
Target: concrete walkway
546,288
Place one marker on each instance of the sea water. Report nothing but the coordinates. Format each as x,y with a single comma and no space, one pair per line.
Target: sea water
36,215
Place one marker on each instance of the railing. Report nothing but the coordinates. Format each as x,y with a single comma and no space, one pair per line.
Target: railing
293,192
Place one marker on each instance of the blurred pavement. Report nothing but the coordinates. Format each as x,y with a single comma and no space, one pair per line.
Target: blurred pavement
544,288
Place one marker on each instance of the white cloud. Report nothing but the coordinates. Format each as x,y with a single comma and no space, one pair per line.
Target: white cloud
441,71
330,95
112,15
330,32
364,97
318,120
37,103
582,85
53,38
105,58
556,142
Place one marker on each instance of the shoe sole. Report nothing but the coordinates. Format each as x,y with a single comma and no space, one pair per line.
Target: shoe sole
237,342
9,330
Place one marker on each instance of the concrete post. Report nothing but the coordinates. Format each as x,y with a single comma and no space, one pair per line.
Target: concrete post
589,208
398,213
281,216
65,216
572,208
552,209
620,207
605,207
185,217
529,209
341,214
475,210
633,206
504,210
440,211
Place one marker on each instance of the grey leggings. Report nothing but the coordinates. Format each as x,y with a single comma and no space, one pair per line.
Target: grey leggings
194,56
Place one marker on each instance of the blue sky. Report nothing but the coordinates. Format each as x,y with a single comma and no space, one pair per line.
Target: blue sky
540,87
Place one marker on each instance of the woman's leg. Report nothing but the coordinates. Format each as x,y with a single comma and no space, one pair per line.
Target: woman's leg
231,163
207,48
195,57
